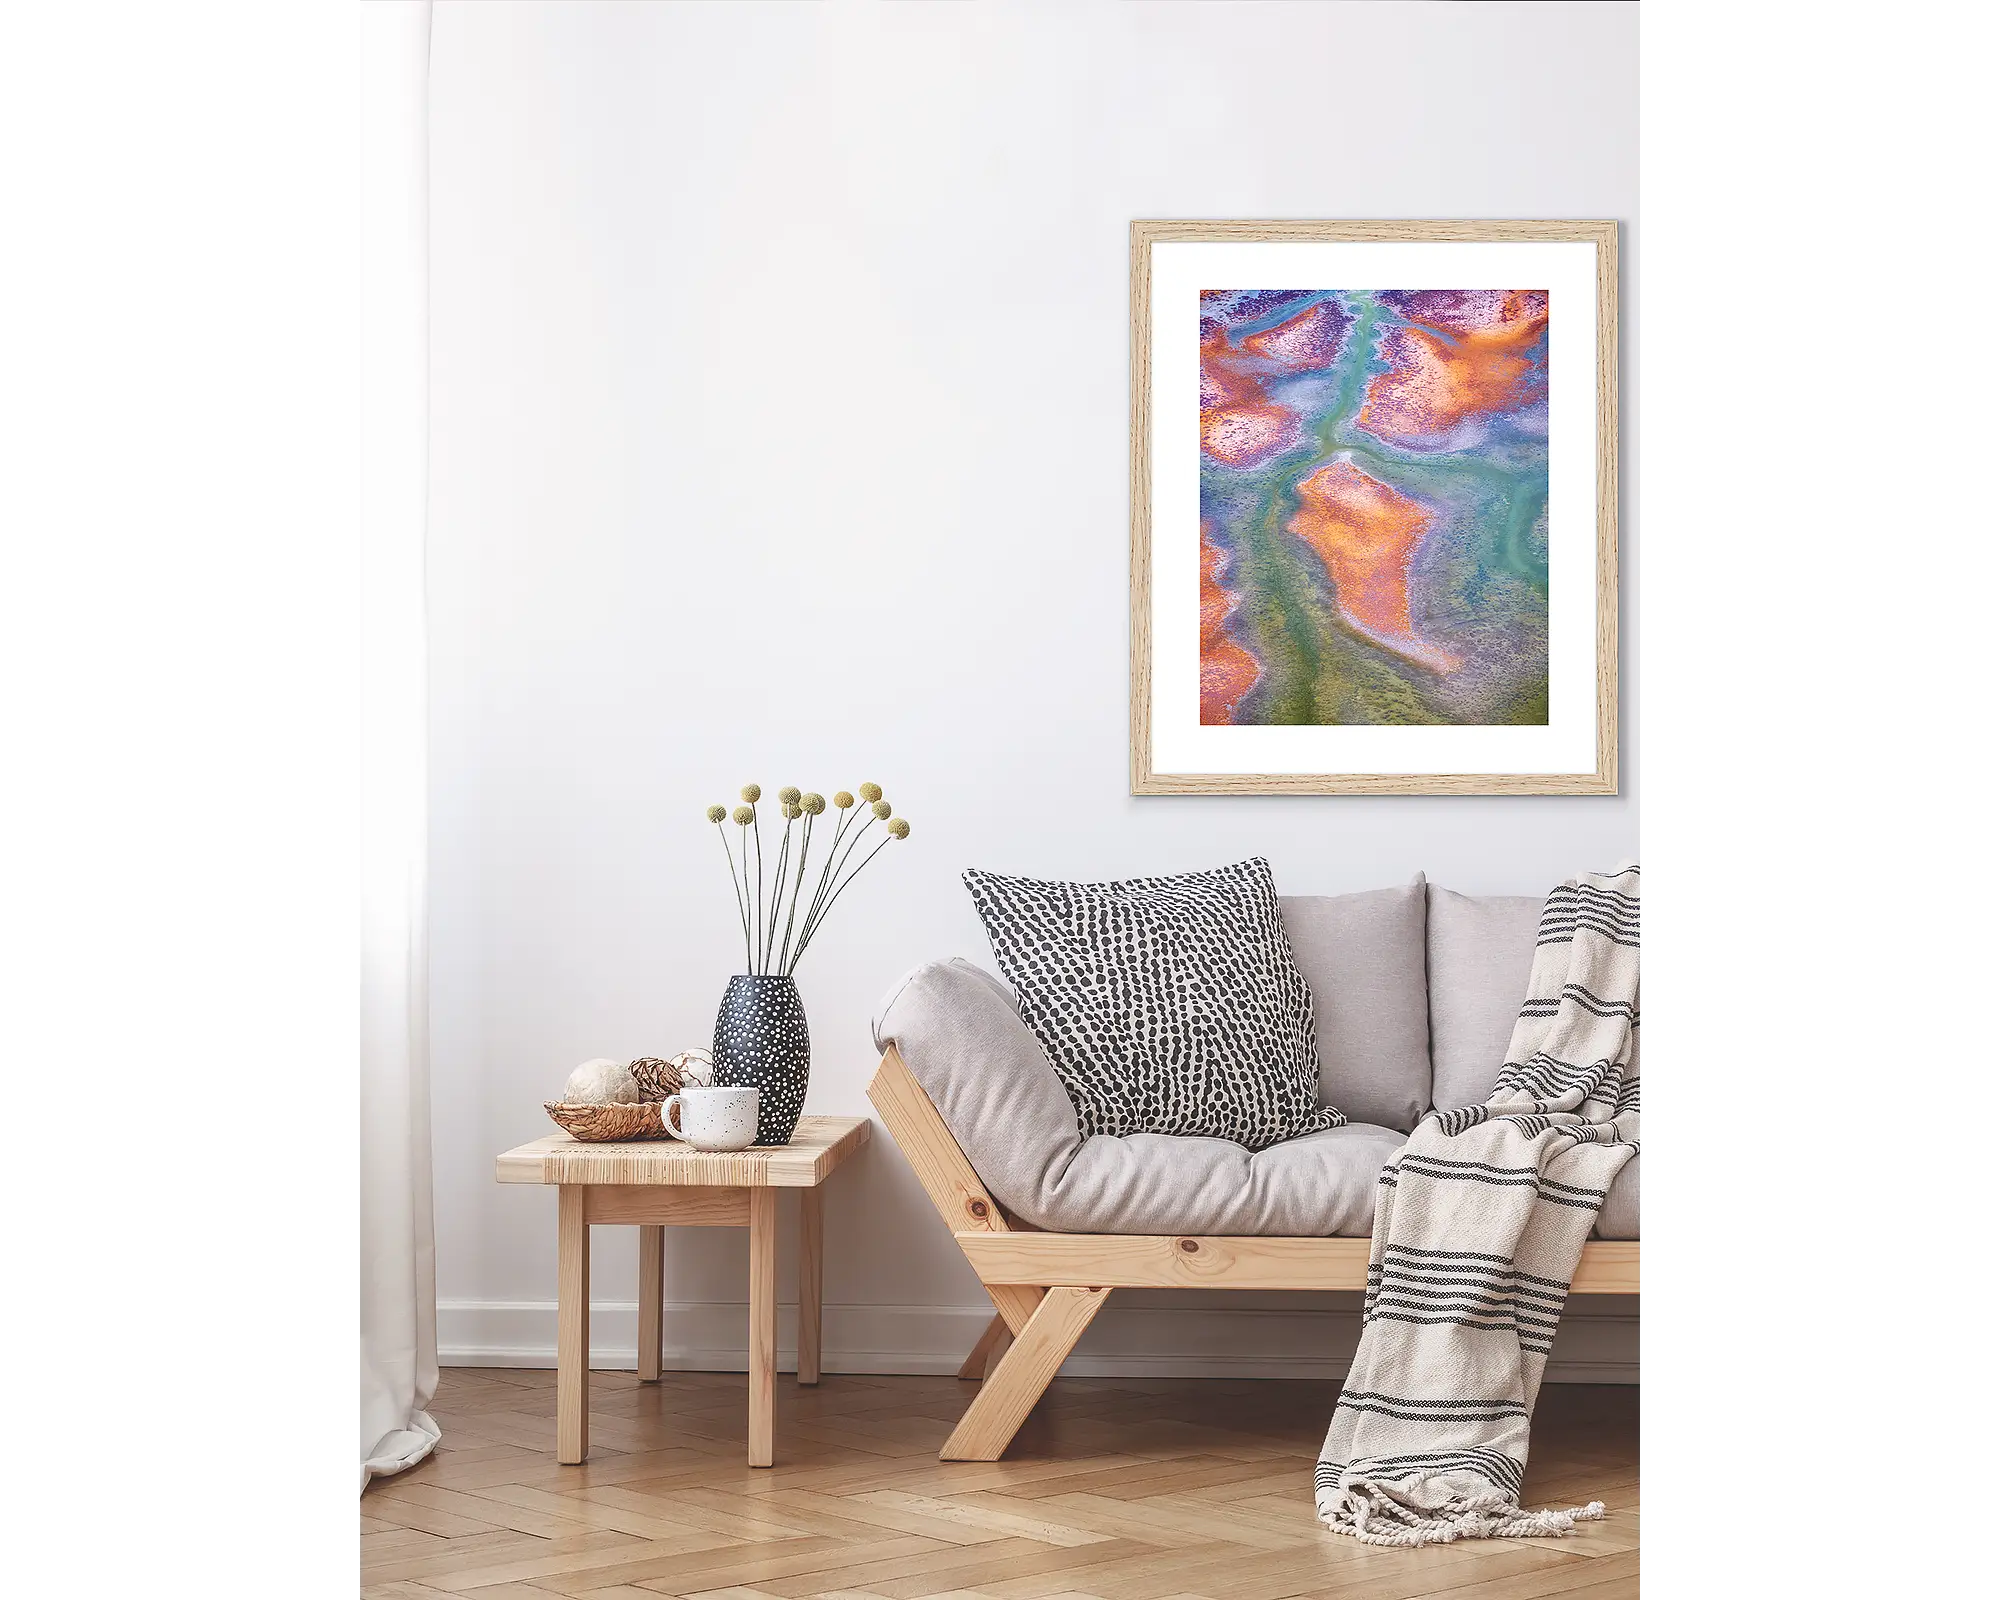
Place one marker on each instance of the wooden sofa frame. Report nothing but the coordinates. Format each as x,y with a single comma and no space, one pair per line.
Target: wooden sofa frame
1046,1287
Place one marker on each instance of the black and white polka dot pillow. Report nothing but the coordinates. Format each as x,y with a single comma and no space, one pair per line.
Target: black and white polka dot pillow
1165,1005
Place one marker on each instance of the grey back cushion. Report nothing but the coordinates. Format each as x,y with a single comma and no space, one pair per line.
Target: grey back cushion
1363,955
960,1034
1481,948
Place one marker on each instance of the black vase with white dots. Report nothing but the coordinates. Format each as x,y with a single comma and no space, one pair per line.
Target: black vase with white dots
761,1043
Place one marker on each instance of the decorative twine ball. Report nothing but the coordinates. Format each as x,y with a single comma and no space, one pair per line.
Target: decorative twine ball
602,1083
683,1067
656,1078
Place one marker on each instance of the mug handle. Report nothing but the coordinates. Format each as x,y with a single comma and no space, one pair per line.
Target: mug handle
667,1108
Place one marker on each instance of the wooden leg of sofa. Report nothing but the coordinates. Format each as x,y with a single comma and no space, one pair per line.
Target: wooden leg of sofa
1013,1387
974,1367
1016,1303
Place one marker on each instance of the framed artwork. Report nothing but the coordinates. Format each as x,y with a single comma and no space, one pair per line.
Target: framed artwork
1374,508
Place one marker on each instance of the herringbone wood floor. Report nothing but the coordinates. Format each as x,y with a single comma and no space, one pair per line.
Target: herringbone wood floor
1120,1489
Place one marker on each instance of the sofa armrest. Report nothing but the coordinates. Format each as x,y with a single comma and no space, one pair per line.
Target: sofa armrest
957,1030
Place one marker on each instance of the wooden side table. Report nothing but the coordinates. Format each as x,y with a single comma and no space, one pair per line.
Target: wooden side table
661,1184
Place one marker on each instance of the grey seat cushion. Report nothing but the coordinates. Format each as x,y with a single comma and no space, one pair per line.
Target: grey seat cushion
1481,948
1619,1218
1363,955
957,1029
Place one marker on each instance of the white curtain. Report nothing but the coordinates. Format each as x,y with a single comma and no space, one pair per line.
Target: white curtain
398,1264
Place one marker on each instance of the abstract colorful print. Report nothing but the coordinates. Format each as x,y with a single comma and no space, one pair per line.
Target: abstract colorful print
1374,506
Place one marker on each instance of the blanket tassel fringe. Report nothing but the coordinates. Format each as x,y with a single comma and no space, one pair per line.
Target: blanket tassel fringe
1375,1518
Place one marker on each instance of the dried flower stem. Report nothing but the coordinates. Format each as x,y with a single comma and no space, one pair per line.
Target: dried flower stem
777,897
805,850
757,827
835,884
830,878
851,843
742,909
806,939
826,870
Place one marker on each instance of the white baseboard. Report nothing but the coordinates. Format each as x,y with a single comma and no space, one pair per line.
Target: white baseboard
1125,1342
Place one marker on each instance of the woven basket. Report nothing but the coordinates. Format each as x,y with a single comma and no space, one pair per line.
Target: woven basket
601,1124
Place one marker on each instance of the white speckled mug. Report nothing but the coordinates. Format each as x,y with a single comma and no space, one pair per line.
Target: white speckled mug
712,1119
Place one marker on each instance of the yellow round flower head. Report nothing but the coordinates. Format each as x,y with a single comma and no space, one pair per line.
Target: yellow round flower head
843,799
871,792
743,816
716,813
900,828
881,809
812,804
791,812
788,796
753,792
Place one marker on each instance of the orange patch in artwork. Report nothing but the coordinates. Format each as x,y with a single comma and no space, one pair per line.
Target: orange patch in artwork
1227,670
1439,379
1239,426
1366,533
1223,382
1241,436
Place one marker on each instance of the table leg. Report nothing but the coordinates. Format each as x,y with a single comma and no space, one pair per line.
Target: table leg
811,1256
652,1246
572,1327
763,1321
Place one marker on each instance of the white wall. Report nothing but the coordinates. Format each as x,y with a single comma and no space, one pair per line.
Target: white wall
779,433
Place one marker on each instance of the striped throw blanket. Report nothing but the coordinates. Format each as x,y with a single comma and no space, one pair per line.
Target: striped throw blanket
1478,1227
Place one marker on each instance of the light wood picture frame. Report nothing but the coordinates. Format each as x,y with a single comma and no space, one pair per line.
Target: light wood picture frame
1366,533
